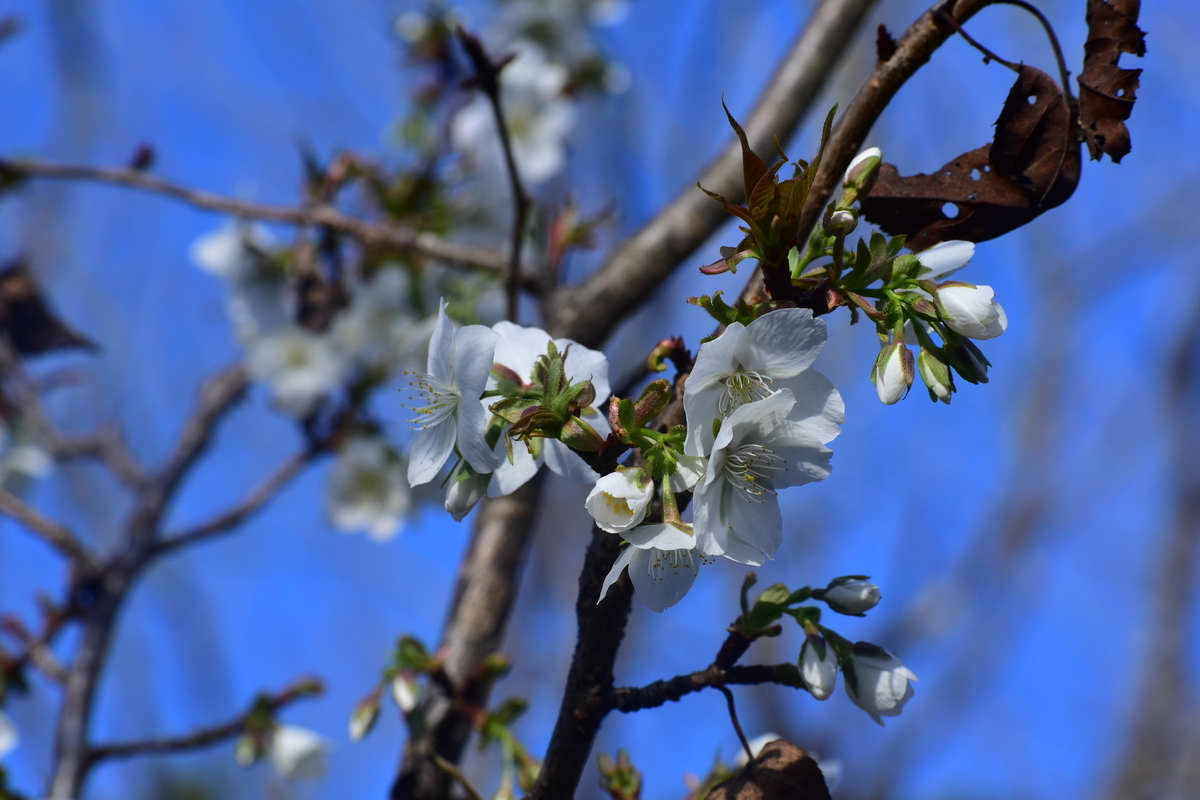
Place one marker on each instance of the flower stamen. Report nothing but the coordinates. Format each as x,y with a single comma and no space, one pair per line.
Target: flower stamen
673,560
432,399
750,468
742,388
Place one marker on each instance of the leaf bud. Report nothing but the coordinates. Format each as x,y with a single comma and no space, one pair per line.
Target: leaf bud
620,779
654,399
578,435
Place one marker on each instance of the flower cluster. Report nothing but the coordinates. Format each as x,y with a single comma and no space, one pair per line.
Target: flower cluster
758,419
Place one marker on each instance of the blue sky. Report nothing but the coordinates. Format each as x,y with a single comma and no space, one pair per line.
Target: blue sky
1028,648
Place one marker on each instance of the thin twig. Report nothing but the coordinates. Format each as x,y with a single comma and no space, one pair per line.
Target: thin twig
487,79
251,503
37,651
454,771
378,233
55,534
205,737
737,726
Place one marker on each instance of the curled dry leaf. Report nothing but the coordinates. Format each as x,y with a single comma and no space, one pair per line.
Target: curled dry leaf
1032,165
26,318
1107,92
782,771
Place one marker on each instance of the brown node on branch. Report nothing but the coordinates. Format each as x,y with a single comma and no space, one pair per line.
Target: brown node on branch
782,771
26,319
1032,165
885,44
1107,92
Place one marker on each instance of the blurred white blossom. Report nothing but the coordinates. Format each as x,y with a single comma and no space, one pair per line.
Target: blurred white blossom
379,327
299,365
9,738
298,754
367,488
229,251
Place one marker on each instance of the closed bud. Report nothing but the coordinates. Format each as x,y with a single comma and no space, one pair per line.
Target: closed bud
968,361
970,310
248,749
818,667
877,681
841,222
465,490
936,375
850,595
864,170
893,373
654,399
364,716
406,692
578,435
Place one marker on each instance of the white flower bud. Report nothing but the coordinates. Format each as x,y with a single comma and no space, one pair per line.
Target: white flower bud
936,376
893,373
864,169
466,488
877,681
9,738
297,753
364,716
818,667
405,691
841,222
619,500
970,310
852,596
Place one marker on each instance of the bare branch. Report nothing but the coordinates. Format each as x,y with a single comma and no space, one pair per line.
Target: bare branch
37,651
206,737
255,500
217,396
627,699
588,312
53,533
379,233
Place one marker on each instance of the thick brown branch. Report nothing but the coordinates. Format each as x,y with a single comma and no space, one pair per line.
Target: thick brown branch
379,233
53,533
250,504
588,312
204,737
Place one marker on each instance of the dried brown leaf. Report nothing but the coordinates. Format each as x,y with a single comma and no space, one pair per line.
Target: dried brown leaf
782,771
26,318
1031,166
1107,92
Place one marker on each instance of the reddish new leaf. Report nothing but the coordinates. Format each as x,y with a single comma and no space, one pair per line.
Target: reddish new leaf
1107,92
1032,165
782,771
753,167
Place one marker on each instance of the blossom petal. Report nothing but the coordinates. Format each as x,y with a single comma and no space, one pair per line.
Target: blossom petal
441,347
507,478
430,451
567,463
716,360
755,421
472,437
742,553
519,348
613,574
661,579
474,346
663,536
758,523
945,258
819,407
781,344
701,407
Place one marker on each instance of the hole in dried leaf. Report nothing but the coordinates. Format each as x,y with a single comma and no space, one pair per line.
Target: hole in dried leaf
950,210
1031,99
1120,92
976,174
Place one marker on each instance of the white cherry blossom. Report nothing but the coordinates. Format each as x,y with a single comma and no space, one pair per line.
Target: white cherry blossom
877,681
619,501
971,310
893,373
851,596
759,450
367,490
229,251
298,754
539,117
518,349
300,366
749,362
448,410
662,562
944,259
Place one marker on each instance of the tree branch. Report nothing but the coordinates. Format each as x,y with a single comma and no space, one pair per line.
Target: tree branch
204,737
53,533
255,500
627,699
378,233
588,312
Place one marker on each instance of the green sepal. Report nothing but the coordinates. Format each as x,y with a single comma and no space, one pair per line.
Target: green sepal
655,397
